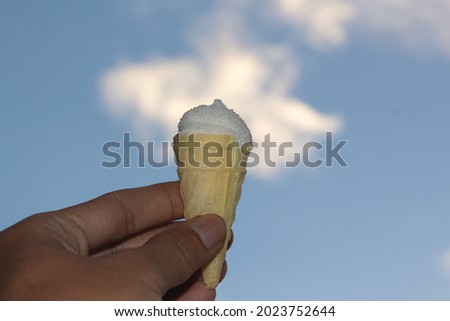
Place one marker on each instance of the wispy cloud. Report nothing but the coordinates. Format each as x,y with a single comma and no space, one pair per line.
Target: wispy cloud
422,25
322,22
445,262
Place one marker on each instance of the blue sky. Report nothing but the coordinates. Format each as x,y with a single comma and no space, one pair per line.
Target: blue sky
74,75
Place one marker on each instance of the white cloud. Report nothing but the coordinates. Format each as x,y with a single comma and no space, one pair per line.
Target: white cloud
445,262
227,63
255,81
322,21
422,25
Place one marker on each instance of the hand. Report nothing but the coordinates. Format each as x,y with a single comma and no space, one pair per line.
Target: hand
123,245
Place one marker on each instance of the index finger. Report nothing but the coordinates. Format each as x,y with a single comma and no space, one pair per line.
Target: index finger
115,215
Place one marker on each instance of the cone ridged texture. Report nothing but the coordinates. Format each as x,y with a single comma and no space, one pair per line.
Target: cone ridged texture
210,182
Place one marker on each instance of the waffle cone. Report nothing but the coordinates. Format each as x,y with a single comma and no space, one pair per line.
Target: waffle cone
211,176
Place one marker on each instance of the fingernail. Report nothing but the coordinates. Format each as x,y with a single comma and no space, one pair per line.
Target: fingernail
210,228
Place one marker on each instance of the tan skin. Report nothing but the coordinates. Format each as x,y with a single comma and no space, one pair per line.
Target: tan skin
120,246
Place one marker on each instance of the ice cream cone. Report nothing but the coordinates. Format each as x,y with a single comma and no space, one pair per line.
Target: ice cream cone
211,168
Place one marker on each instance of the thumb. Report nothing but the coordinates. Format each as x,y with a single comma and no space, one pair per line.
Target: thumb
179,252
